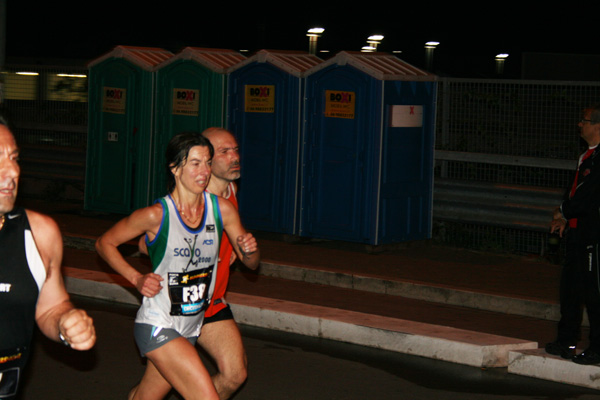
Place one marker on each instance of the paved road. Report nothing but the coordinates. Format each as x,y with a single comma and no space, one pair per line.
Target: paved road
282,366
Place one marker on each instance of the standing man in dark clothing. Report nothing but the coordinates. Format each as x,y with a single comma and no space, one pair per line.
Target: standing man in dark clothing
31,285
578,216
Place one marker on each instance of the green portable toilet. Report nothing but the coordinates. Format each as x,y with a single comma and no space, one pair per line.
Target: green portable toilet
190,96
121,101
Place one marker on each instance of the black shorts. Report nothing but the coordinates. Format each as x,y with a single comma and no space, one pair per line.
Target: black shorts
222,315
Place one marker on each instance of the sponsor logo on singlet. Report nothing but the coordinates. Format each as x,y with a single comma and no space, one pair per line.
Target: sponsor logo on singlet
192,252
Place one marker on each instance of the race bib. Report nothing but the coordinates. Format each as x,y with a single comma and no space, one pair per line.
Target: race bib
10,370
188,291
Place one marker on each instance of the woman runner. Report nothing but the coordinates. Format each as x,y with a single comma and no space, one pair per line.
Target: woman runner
183,231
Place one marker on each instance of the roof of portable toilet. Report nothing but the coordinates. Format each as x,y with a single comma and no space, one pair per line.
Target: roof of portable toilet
216,60
381,66
144,57
293,62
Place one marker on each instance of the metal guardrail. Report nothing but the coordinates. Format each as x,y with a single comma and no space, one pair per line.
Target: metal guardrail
501,205
498,204
53,162
495,159
505,217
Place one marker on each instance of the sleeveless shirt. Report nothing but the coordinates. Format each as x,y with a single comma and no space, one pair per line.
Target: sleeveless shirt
186,258
217,303
22,274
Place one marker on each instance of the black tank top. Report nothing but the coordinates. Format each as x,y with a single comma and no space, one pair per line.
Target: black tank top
18,297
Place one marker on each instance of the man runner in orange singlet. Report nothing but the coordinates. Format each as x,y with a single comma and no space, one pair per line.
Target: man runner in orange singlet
221,337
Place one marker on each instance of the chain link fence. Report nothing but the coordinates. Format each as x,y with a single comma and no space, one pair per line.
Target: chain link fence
48,105
515,119
49,110
511,133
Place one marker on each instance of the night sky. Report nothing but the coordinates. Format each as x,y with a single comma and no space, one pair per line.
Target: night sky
470,38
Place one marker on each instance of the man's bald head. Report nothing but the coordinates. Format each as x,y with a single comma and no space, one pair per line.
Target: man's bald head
226,161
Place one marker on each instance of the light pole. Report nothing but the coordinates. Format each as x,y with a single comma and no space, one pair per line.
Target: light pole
429,48
313,34
500,58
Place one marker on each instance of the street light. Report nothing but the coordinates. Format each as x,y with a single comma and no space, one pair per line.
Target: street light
500,58
373,41
429,48
313,34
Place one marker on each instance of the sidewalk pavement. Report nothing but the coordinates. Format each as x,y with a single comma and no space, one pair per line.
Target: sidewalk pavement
479,309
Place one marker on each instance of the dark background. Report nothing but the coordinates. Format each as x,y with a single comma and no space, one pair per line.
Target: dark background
470,36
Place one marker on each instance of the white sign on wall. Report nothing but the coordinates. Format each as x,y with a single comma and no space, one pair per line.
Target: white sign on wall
406,116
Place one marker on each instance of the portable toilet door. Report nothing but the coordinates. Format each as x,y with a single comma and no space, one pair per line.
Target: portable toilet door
339,176
191,96
264,114
406,194
351,189
120,128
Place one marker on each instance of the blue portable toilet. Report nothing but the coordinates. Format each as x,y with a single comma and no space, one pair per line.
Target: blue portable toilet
121,101
191,91
367,172
264,113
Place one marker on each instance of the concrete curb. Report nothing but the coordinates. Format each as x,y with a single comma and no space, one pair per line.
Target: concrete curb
538,364
409,337
392,334
413,290
417,291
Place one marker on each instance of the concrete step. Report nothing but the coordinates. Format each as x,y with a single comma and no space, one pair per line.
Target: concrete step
463,328
421,339
438,293
392,334
538,364
428,291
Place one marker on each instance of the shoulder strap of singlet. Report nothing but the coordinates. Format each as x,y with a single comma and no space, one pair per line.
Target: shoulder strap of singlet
32,254
158,246
217,213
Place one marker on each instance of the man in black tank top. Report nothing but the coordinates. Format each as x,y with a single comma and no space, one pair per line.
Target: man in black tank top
31,285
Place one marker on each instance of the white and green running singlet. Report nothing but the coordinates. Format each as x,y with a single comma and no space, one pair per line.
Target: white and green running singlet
187,259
